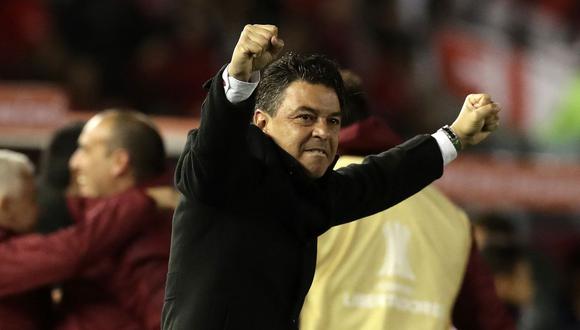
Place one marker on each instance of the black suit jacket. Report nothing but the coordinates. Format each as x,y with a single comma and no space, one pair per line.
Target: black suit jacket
243,249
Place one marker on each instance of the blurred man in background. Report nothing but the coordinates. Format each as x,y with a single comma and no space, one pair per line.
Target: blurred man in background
112,260
525,278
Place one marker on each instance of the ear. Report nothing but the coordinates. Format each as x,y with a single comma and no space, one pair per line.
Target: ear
5,222
4,202
121,162
261,119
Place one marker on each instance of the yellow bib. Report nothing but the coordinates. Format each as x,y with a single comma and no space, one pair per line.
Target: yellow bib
398,269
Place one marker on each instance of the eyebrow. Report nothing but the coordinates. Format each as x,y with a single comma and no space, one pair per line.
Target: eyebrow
316,112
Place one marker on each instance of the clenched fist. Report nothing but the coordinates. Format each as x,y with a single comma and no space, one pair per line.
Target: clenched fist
479,116
257,47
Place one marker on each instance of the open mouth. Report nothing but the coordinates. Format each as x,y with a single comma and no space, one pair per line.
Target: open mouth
317,151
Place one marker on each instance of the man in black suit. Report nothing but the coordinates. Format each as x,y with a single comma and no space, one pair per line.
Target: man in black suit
256,196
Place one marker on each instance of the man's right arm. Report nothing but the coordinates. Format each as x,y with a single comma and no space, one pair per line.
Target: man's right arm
223,117
226,112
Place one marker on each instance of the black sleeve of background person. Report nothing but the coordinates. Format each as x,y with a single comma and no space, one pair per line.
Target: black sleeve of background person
53,211
477,306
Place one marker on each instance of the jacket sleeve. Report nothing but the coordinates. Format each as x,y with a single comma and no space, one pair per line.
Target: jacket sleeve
386,179
477,306
216,144
30,261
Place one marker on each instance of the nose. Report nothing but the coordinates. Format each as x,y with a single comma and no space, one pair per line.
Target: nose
321,130
73,162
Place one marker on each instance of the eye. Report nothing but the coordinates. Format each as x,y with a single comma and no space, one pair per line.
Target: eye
306,118
334,121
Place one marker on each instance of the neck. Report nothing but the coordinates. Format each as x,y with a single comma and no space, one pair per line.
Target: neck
122,184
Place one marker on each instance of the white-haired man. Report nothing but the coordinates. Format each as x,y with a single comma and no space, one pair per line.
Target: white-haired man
17,193
18,211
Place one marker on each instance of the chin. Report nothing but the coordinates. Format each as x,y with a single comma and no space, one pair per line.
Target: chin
315,168
316,173
87,193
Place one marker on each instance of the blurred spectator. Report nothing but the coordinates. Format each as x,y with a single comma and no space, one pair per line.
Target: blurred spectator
494,228
573,289
25,310
113,259
54,185
525,280
513,275
55,180
424,288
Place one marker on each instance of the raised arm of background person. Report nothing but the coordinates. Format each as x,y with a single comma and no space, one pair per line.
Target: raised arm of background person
477,306
223,125
35,260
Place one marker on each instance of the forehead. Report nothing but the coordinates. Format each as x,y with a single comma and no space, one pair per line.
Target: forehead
96,130
28,180
318,97
27,184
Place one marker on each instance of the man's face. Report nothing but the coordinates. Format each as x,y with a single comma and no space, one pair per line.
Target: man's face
306,125
19,213
92,164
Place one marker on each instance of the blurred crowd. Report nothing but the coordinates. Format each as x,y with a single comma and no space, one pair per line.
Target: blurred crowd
153,55
540,291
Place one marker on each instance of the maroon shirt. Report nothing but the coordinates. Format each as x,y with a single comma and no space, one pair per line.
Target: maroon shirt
113,262
23,311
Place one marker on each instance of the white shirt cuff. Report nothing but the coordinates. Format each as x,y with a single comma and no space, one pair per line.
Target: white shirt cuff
447,149
237,90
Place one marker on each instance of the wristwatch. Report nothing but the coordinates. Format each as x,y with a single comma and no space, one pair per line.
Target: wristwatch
452,137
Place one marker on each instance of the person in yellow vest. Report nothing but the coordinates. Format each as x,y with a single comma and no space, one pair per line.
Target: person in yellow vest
413,266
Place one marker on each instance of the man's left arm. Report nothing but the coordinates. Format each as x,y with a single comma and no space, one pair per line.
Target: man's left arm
388,178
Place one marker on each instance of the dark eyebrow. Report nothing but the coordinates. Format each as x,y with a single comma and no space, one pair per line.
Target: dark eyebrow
315,112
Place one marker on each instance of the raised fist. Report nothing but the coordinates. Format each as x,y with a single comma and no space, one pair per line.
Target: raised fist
257,47
479,116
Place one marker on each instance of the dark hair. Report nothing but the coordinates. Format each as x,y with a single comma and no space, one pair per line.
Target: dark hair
356,104
502,259
54,169
496,223
134,132
313,69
